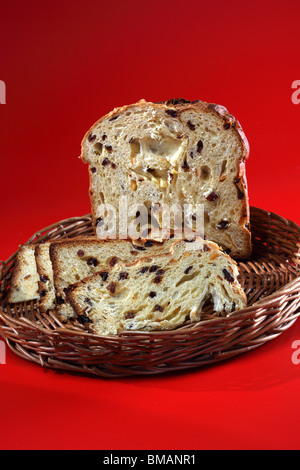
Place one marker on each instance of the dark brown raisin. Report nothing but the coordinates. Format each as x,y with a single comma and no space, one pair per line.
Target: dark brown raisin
112,288
44,278
191,125
200,146
212,196
93,170
43,293
83,319
176,102
104,137
59,300
92,262
152,294
108,148
188,269
223,224
148,243
105,162
80,253
228,276
91,137
172,112
241,194
144,269
160,272
129,315
185,166
158,308
113,261
104,275
153,268
157,279
114,166
88,301
123,275
226,125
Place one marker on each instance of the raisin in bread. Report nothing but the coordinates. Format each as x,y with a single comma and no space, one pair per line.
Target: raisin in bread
24,282
45,280
161,292
75,259
173,153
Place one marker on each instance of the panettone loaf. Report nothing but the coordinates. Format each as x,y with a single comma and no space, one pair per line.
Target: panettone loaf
173,153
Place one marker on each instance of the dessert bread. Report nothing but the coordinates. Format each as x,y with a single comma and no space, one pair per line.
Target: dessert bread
24,282
173,153
45,280
75,259
159,292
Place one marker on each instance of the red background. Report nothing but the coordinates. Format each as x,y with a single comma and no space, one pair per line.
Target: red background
67,63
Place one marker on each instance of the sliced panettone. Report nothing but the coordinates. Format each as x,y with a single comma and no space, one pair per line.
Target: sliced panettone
24,282
172,154
159,292
75,259
45,272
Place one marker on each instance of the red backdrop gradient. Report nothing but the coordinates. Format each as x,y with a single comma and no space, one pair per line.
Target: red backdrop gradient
65,64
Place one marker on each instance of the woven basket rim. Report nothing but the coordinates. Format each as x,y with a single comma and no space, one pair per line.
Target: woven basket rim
277,310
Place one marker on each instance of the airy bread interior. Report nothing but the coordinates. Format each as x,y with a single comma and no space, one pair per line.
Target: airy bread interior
75,259
159,292
172,154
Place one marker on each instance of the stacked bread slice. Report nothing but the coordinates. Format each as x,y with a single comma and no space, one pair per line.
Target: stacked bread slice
175,152
113,285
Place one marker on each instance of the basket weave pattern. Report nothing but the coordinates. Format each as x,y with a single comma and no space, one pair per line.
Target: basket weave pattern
271,280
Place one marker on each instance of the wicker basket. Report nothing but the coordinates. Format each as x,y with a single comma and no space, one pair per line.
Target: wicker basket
270,279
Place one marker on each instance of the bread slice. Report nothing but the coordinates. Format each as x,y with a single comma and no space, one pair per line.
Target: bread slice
75,259
24,282
159,293
45,280
173,153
